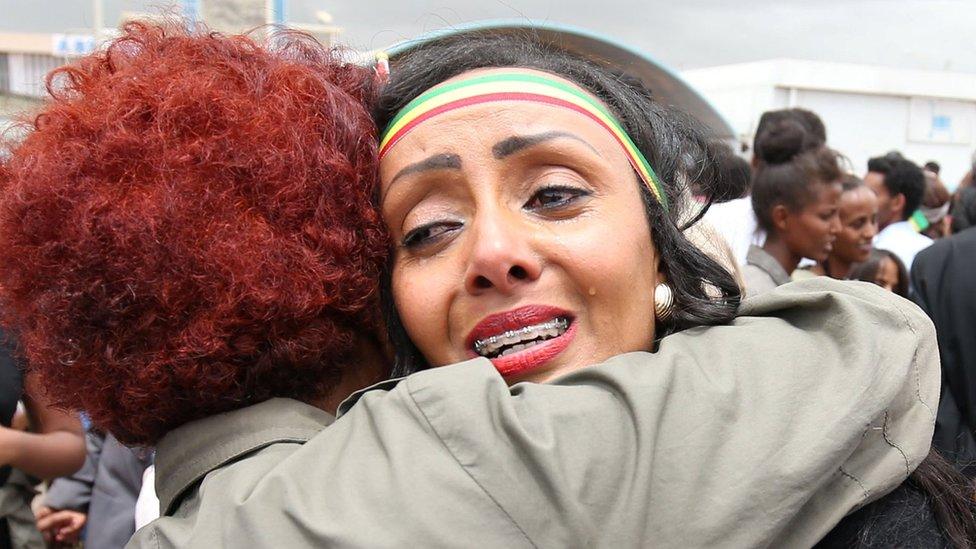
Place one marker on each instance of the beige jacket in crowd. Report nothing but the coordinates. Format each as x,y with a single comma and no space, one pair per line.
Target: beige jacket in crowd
819,398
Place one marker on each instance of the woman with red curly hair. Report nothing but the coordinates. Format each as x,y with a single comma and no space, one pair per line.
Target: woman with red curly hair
189,251
192,214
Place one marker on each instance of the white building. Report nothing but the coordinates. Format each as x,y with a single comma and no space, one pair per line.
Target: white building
868,110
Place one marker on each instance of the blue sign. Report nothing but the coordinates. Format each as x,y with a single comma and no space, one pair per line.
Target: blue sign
68,45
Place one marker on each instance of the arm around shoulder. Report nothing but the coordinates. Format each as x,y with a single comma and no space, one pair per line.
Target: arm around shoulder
765,432
818,399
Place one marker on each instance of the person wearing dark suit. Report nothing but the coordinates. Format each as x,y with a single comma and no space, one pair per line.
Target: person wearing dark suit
943,279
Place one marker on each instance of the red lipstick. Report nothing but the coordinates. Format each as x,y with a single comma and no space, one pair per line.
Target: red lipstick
532,357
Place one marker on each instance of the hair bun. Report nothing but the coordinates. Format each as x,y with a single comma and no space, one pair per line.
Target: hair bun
782,141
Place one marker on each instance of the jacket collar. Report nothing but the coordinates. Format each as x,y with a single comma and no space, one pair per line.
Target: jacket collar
352,399
188,453
760,258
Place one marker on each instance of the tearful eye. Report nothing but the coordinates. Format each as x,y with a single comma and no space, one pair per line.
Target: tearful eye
554,197
429,234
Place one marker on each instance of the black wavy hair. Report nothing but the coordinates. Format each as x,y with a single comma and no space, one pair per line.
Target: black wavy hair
868,269
850,182
737,170
964,210
682,153
901,176
813,127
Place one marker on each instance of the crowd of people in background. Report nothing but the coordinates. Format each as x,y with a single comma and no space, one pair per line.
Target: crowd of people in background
806,213
893,223
811,213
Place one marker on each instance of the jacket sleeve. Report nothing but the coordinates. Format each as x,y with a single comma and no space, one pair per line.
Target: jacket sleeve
75,492
819,398
765,432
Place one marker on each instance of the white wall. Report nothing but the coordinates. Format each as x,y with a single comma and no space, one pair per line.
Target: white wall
28,70
739,106
868,111
862,126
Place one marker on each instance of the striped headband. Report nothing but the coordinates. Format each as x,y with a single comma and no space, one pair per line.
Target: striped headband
518,86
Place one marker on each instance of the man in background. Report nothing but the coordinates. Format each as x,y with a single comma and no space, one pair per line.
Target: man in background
943,282
900,185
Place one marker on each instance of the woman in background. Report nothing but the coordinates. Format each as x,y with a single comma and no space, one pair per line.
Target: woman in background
935,206
858,212
795,194
884,269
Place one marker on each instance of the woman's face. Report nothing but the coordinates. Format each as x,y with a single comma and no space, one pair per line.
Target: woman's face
520,236
887,275
858,213
811,231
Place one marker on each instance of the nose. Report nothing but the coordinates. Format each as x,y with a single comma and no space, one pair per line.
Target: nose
502,257
835,225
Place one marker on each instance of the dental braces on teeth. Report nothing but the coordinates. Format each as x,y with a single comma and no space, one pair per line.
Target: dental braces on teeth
482,345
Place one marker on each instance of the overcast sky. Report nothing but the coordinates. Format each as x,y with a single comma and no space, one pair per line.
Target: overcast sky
928,34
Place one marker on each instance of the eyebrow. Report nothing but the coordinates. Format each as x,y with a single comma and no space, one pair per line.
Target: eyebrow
511,145
442,161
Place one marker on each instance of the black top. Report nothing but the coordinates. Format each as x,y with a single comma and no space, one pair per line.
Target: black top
942,276
11,385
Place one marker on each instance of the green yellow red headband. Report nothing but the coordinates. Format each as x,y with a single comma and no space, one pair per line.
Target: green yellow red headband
518,86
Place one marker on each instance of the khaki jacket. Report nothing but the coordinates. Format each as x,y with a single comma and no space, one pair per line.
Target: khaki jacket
762,272
766,432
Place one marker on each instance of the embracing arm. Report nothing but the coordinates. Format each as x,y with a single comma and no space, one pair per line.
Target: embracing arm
817,400
55,448
762,433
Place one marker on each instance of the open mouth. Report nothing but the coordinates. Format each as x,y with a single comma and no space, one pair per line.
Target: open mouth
522,341
513,341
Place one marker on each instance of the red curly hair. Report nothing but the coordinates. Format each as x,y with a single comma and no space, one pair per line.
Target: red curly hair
187,227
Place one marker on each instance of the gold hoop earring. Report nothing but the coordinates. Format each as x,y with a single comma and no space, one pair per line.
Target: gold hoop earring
663,302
